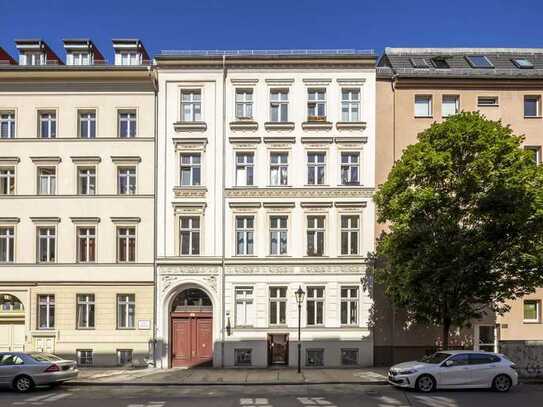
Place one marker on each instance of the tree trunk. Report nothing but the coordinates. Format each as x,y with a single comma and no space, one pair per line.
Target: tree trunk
446,330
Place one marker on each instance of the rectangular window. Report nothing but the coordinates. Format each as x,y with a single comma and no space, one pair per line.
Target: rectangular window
314,357
126,311
87,124
532,311
479,61
278,235
84,357
85,311
487,101
124,357
7,181
450,105
129,58
245,169
349,357
80,58
350,105
350,231
245,235
279,105
46,311
189,229
315,306
278,169
535,152
315,235
191,105
243,357
245,306
7,244
47,124
316,104
316,167
423,106
126,180
86,181
33,58
86,244
532,106
126,244
349,305
244,104
7,124
191,169
350,168
47,180
46,245
278,305
127,124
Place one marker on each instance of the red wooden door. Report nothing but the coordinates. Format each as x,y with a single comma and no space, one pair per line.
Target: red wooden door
191,340
181,353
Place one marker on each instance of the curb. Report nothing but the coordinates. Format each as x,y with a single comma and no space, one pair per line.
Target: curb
184,384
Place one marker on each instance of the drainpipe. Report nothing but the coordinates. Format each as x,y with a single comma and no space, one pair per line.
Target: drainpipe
223,202
393,85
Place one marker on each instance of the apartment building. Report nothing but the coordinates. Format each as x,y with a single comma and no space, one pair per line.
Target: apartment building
77,202
264,203
419,86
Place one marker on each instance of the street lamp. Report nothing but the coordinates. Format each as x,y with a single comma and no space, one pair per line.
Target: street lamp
299,299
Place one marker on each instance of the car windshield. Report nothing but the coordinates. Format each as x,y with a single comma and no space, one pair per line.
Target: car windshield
44,357
435,358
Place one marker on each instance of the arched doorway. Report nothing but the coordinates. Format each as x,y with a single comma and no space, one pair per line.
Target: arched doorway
191,329
12,324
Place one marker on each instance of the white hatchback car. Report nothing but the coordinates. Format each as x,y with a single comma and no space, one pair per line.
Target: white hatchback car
456,369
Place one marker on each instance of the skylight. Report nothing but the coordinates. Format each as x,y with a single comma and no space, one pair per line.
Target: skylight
479,61
419,63
522,63
440,63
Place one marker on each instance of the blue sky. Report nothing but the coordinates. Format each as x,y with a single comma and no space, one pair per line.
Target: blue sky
273,24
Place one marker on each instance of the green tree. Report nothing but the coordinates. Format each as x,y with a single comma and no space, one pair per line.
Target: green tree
464,206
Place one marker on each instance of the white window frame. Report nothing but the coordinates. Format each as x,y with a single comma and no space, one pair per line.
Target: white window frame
89,175
243,167
194,104
537,99
86,118
278,231
244,100
81,58
49,117
7,174
279,167
7,235
7,121
349,300
191,230
316,300
349,164
50,238
536,150
279,102
191,165
126,304
127,58
50,180
87,360
495,98
350,230
537,320
129,174
247,232
244,299
314,165
419,99
48,301
350,100
316,230
449,100
316,99
125,232
87,236
130,117
276,302
85,303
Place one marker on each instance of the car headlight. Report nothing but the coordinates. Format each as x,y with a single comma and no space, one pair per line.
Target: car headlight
407,371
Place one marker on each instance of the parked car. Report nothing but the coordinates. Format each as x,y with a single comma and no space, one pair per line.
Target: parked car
456,369
22,371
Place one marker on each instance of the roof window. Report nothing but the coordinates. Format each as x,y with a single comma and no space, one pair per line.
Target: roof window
419,63
440,63
522,63
479,61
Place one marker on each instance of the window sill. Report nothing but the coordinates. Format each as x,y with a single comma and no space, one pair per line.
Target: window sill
189,126
279,125
126,329
275,256
533,117
316,185
424,117
244,125
316,257
317,125
350,125
488,105
85,329
531,322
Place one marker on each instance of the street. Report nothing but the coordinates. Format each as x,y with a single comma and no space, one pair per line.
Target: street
261,396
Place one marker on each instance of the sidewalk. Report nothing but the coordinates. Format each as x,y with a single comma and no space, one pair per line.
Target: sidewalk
210,376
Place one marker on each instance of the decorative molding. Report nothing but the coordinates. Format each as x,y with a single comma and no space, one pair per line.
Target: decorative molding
317,125
192,143
189,192
279,82
239,141
351,125
244,204
10,160
316,204
188,207
244,82
278,204
317,139
9,220
316,81
351,81
351,140
244,125
128,159
46,160
176,275
280,139
189,126
279,125
127,219
312,192
347,204
45,219
298,269
86,159
83,219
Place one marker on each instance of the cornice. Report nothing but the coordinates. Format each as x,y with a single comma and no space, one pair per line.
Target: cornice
337,193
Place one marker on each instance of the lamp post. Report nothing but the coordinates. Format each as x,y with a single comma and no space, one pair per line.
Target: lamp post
299,299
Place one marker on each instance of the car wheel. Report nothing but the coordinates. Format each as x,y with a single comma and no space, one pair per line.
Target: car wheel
22,384
425,383
502,383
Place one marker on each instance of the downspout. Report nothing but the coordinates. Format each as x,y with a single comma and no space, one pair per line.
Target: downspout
223,202
393,85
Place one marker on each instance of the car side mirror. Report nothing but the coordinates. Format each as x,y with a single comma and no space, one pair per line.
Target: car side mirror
448,363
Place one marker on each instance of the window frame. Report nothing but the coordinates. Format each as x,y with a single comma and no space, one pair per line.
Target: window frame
128,236
279,166
349,300
350,230
9,179
537,303
245,166
537,150
129,177
537,99
48,238
90,242
249,306
350,103
50,179
349,165
80,358
244,103
316,230
129,121
444,103
192,103
49,312
7,233
315,300
307,357
313,167
88,303
191,166
191,230
487,63
317,102
429,104
91,123
277,301
280,103
91,179
495,98
248,351
52,123
281,231
247,232
128,301
10,122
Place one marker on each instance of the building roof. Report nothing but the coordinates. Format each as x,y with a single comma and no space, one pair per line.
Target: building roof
5,58
131,43
84,44
38,44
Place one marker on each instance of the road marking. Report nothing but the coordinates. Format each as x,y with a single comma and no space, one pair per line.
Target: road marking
258,402
315,401
42,399
149,404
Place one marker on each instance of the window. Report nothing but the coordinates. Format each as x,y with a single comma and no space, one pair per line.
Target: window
129,58
46,311
316,104
314,357
532,310
316,167
440,63
46,244
7,181
81,58
124,357
87,124
279,105
278,169
242,357
7,125
532,106
245,235
315,235
349,305
127,123
459,360
245,306
350,166
244,104
126,244
126,180
245,169
47,180
423,106
191,105
278,305
86,244
350,105
450,105
349,234
33,58
482,358
349,357
479,61
126,311
419,63
315,305
483,101
7,244
87,181
48,124
535,153
189,230
7,359
522,63
191,168
278,235
84,357
85,311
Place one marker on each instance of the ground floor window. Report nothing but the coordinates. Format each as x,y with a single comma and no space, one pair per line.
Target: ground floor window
349,357
84,357
243,357
314,357
124,357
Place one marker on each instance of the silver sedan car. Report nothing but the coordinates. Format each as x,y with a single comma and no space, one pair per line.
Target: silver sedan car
22,371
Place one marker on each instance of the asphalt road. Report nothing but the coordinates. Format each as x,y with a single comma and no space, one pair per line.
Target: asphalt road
267,396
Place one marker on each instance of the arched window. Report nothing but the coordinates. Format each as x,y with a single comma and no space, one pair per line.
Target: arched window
10,303
191,297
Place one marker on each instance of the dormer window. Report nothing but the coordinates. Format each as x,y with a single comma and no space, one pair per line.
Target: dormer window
33,58
129,58
81,58
129,52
